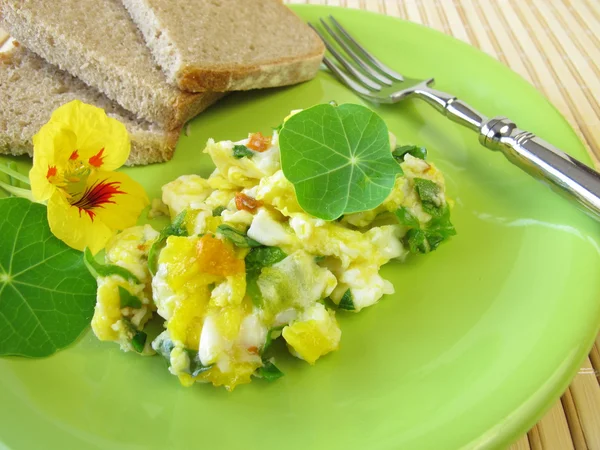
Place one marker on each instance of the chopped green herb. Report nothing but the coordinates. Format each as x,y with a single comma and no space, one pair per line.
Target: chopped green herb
196,366
269,340
218,211
165,348
406,218
47,296
440,228
347,301
255,260
240,151
237,237
269,371
338,158
328,303
427,239
139,341
319,258
278,127
176,228
106,270
429,192
417,241
253,290
260,257
401,151
129,300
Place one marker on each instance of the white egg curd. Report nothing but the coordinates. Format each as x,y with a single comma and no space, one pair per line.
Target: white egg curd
242,265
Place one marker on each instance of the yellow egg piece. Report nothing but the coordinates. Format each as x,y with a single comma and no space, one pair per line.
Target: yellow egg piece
313,338
240,373
108,310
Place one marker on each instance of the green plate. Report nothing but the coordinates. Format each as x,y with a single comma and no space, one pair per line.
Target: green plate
481,337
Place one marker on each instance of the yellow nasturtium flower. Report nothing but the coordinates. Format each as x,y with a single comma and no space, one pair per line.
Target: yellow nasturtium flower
74,157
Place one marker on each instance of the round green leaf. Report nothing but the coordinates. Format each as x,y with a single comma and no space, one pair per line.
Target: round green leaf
47,295
338,158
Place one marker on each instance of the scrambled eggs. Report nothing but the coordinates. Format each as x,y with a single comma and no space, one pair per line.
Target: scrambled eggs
247,265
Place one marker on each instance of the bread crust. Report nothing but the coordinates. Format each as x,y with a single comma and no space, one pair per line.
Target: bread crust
151,98
192,74
188,105
143,152
22,71
288,71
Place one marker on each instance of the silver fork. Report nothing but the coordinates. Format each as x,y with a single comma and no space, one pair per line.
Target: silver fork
363,73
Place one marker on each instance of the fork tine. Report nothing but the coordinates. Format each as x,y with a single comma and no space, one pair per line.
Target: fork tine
357,59
385,69
353,85
344,62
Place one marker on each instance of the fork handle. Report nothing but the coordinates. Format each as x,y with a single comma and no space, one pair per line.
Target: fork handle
535,156
544,161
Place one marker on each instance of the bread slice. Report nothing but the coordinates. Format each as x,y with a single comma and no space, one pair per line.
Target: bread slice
224,45
97,42
30,89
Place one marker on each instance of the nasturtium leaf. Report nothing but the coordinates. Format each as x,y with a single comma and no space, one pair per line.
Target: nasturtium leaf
338,158
47,295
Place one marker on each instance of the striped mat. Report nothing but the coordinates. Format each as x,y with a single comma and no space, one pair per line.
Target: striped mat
555,45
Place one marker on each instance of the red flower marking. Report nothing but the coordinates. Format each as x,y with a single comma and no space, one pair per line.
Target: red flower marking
96,196
74,156
97,159
51,172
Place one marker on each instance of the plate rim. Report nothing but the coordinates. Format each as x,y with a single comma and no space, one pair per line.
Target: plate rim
532,409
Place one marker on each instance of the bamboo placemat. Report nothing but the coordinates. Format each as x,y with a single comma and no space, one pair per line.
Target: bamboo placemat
555,45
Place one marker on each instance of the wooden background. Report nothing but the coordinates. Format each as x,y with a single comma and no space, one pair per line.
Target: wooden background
555,45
